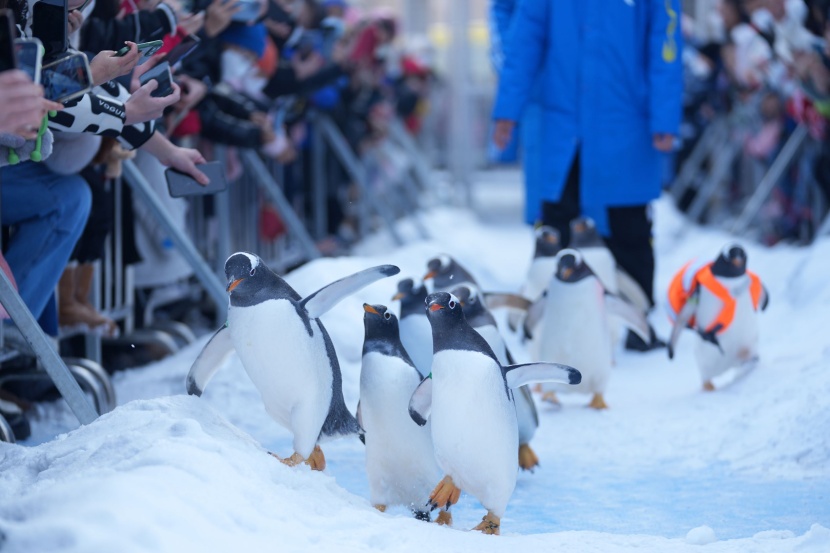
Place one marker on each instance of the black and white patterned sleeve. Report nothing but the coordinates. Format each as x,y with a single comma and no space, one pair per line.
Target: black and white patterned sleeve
102,112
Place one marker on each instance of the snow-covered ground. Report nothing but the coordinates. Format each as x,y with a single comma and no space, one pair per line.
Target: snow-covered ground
667,468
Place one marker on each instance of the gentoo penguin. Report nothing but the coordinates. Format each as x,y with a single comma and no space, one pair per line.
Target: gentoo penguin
469,401
720,301
400,460
542,267
416,334
286,351
447,273
484,323
574,327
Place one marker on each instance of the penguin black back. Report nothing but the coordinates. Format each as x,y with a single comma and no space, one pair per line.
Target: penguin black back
381,333
450,329
250,281
731,262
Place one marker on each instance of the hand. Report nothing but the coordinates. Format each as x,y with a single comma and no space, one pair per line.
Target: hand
192,23
193,91
141,107
218,16
106,66
185,160
135,81
663,142
22,105
74,20
503,132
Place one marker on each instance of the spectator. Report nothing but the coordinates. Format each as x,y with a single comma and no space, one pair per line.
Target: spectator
612,88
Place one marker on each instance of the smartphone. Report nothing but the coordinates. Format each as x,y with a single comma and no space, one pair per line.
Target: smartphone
162,75
178,52
181,184
146,49
66,78
8,59
248,10
29,53
49,22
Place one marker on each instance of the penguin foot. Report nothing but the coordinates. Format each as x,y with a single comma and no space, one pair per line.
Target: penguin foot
381,508
598,402
445,494
489,525
550,397
444,518
292,461
527,458
317,461
422,515
708,386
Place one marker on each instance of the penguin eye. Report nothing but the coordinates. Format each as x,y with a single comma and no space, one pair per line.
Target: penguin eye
253,272
452,304
387,316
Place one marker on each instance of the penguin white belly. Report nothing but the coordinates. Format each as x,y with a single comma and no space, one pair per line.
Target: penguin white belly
416,337
739,341
400,461
291,369
474,427
574,331
541,271
602,263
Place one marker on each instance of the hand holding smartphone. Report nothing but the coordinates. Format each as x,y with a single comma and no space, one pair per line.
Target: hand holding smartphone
66,78
163,76
181,184
146,49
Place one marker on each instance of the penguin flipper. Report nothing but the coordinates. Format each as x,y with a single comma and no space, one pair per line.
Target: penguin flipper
420,405
496,300
534,316
359,417
632,291
681,322
529,373
631,316
212,356
330,295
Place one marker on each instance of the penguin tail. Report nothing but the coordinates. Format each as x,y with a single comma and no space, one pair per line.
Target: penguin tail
339,422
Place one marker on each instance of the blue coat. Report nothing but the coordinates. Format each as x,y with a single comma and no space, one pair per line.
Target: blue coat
611,77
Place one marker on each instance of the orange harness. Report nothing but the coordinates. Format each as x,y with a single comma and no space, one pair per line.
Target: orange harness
681,288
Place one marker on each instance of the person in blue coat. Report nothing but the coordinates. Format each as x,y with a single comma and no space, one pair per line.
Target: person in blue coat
530,128
611,87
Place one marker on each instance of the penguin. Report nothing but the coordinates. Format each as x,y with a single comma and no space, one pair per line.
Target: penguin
721,301
468,399
573,327
485,324
416,334
542,267
400,460
447,273
286,351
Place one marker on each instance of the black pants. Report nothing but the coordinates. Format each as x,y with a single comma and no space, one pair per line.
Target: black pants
630,239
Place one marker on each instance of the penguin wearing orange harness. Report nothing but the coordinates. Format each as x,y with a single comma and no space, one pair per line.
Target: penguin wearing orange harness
720,300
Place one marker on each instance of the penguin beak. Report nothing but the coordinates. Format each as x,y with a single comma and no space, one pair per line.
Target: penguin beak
737,262
551,239
430,275
567,272
233,284
398,296
369,309
435,307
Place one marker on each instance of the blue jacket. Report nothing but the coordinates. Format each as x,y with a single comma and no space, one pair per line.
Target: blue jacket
611,76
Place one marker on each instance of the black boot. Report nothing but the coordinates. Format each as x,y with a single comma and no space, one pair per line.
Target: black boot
633,342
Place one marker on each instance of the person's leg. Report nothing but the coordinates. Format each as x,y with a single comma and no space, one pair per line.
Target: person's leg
48,212
560,214
630,243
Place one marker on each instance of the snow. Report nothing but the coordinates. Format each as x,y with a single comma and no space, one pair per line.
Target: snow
667,468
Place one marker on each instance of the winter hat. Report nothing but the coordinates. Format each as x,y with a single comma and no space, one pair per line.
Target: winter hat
247,37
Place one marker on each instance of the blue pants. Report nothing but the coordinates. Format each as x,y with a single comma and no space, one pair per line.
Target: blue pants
48,212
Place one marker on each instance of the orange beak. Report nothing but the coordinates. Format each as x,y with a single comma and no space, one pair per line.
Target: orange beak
737,262
430,275
233,285
398,296
369,309
552,239
567,272
435,307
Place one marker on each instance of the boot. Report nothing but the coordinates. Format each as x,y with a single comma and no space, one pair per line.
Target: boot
85,274
70,311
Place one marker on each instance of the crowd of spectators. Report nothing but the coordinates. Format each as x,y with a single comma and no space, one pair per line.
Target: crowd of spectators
764,64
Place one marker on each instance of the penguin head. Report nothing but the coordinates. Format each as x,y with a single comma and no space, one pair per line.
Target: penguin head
410,296
443,308
251,281
570,267
379,322
469,298
584,233
440,265
731,262
548,242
